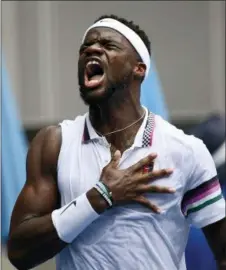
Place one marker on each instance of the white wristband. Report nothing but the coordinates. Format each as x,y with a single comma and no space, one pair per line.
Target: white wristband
70,220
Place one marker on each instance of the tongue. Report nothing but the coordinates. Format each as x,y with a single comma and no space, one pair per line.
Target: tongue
94,81
95,77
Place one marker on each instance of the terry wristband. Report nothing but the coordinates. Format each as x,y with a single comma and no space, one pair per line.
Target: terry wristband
70,220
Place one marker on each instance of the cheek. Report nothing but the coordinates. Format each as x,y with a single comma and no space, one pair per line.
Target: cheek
119,66
80,64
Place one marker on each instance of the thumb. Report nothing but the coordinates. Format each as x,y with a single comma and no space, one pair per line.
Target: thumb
115,159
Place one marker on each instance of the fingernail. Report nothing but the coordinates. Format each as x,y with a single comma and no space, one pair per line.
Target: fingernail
172,189
159,211
117,152
169,170
153,155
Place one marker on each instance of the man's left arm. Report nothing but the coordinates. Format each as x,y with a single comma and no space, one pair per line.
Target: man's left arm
203,203
216,236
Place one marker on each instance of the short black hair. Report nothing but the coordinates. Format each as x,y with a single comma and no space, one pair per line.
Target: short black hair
133,26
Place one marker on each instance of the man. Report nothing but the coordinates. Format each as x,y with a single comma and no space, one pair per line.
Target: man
92,195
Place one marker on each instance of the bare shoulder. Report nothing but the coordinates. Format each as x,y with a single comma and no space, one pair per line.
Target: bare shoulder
47,134
44,150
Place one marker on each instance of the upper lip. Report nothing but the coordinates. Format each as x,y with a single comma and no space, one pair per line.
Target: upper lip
94,58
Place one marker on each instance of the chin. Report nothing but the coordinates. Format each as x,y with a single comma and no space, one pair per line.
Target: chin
94,96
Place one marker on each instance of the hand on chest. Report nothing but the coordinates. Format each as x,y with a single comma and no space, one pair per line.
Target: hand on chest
89,170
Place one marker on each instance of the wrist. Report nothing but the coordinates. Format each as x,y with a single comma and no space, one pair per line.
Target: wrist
97,201
71,219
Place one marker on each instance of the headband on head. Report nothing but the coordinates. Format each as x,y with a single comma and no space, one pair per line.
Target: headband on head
129,34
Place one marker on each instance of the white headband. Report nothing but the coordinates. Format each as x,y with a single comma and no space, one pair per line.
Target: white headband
131,36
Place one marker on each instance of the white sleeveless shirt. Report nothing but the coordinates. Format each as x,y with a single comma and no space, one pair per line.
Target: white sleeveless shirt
132,237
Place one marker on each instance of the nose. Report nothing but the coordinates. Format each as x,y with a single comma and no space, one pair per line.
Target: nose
94,49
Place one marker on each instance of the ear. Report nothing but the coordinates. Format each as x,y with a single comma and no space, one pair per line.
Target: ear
139,70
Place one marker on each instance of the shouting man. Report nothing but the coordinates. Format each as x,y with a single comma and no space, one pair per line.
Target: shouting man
118,187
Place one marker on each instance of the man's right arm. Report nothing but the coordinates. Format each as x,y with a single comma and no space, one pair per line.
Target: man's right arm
33,238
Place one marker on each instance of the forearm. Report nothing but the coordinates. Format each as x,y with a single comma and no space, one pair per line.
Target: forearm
222,256
218,244
222,245
37,239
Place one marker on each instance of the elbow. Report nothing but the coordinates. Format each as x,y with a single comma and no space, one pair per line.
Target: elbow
16,261
19,262
17,257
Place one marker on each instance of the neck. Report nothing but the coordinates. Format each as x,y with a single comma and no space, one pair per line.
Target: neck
114,115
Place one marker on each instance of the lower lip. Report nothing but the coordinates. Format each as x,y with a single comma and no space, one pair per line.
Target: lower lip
93,83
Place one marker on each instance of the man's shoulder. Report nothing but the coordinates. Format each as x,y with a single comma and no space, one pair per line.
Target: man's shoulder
176,137
44,148
46,134
51,137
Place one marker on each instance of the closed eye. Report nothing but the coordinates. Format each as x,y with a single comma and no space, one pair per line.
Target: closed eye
111,46
106,44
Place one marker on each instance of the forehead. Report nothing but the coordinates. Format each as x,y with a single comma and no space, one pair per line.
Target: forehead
105,33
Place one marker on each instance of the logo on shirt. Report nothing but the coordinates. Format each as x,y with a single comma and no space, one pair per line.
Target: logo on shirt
153,166
148,168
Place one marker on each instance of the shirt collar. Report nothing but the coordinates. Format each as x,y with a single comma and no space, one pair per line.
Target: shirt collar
142,139
89,133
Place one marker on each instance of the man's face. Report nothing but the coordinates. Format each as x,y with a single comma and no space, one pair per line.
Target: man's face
106,64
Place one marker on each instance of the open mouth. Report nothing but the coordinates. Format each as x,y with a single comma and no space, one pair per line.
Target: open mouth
94,74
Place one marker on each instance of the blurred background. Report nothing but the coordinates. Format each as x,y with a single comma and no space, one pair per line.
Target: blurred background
40,42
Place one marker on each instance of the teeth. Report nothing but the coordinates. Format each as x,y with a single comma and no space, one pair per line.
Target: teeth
92,62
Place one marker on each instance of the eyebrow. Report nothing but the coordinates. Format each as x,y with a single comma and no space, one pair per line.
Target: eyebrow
104,40
109,40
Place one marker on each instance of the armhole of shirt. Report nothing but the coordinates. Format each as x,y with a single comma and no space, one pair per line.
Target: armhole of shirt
70,129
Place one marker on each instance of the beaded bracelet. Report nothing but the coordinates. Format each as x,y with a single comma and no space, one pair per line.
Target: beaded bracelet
104,191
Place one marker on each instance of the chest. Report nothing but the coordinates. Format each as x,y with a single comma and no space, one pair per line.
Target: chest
81,167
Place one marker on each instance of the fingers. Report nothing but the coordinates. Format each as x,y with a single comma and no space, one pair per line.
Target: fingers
156,189
144,201
115,159
160,173
155,175
144,161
